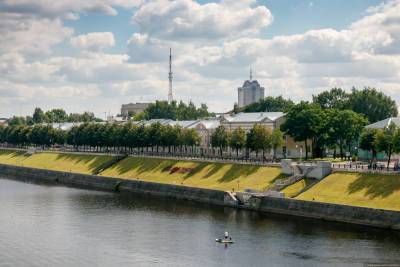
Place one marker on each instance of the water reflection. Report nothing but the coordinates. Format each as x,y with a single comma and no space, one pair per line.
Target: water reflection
43,225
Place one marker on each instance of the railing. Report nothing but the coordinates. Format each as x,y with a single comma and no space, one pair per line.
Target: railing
190,153
363,167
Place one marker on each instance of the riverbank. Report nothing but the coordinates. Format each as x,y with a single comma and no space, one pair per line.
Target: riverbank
209,175
325,211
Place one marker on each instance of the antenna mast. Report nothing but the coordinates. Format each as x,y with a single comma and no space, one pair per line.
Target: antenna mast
170,97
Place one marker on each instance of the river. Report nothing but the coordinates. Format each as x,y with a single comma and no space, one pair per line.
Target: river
43,225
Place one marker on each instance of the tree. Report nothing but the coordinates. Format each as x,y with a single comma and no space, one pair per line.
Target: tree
374,104
345,127
368,141
304,122
165,110
38,116
15,120
219,138
238,139
258,138
276,140
189,137
336,98
388,141
268,104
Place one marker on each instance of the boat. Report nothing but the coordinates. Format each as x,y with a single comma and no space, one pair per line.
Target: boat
219,240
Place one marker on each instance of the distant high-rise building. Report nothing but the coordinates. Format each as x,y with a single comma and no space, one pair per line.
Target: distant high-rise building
250,92
170,96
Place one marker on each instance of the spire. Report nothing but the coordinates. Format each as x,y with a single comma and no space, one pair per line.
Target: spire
170,97
251,74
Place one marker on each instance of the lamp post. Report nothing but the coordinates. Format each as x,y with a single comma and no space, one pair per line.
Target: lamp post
301,151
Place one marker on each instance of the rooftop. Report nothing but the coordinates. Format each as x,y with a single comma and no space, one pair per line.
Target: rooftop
384,123
255,116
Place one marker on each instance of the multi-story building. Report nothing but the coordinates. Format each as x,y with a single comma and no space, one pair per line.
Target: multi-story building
250,92
133,108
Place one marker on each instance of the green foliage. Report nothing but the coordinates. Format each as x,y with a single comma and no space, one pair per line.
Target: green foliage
375,105
336,98
220,138
174,111
388,140
268,104
238,139
303,122
17,121
367,140
38,116
345,127
259,138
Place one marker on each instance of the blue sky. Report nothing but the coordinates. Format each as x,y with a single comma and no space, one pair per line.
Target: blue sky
98,54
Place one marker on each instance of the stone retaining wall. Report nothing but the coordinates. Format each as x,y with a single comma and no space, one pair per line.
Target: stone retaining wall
332,212
311,209
113,184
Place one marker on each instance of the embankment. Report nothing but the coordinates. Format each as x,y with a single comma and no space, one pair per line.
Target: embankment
325,211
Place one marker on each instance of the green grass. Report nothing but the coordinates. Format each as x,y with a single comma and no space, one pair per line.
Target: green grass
294,189
200,174
356,189
80,163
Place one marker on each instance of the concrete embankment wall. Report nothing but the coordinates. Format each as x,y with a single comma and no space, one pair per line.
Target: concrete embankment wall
112,184
310,209
332,212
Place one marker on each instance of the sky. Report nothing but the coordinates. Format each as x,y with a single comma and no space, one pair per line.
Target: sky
95,55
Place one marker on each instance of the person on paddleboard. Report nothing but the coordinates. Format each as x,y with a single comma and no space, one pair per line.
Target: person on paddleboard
226,236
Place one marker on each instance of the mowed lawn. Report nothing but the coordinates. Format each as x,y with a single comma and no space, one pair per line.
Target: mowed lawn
54,161
294,189
196,174
366,190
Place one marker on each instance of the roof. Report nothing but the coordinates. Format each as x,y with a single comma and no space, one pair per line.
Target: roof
254,117
384,123
251,83
207,124
183,124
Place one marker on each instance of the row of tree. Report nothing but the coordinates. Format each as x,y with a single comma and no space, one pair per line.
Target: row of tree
325,128
259,138
371,103
52,116
129,136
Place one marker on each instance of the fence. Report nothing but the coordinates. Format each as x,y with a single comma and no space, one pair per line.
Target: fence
187,153
362,167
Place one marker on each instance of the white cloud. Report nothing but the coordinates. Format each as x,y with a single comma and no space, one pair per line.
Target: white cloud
187,19
68,9
94,41
213,47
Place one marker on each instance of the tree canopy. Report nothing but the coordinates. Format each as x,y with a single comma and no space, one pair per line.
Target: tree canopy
374,104
268,104
175,111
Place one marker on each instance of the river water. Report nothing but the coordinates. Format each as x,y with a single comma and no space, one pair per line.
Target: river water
43,225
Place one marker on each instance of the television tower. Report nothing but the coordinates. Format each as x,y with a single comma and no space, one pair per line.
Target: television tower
170,97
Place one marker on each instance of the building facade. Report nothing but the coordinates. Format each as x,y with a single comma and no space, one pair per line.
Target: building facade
249,93
133,108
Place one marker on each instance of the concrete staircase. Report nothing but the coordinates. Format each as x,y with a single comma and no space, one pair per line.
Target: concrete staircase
297,176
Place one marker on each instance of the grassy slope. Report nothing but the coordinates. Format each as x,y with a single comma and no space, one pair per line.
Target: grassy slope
294,189
367,190
202,174
54,161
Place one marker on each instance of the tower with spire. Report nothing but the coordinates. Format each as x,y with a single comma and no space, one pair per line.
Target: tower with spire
170,96
250,92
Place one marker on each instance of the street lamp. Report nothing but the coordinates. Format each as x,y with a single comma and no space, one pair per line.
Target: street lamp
301,151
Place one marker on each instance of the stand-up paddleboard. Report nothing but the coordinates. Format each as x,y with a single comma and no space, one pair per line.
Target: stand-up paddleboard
219,240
